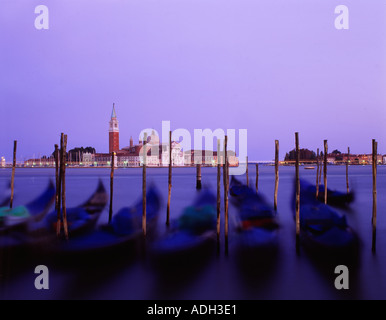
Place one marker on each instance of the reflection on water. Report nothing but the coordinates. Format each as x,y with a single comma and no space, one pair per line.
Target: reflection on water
133,274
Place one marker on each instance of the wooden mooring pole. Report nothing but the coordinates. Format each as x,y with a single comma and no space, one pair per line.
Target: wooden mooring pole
58,189
297,208
325,171
198,176
317,173
347,163
218,194
111,186
225,178
13,173
246,170
63,163
144,185
257,177
374,216
276,173
320,171
169,180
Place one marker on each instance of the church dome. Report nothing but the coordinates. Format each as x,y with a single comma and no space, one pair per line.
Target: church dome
153,138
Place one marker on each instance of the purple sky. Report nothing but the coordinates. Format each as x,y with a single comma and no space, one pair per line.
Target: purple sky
273,67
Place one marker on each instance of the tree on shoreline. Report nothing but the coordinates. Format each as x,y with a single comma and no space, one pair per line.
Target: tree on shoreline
76,154
304,155
337,154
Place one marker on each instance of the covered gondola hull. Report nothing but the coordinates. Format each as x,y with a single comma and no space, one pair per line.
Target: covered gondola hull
325,232
191,240
81,218
119,240
20,218
258,227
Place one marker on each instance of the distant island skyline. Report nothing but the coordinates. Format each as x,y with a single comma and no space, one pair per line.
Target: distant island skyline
76,157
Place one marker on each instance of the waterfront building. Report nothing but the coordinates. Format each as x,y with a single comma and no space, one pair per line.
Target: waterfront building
330,160
104,159
157,154
133,156
177,154
208,158
355,159
88,159
40,162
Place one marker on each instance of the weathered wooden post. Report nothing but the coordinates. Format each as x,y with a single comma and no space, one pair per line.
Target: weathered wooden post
198,176
144,148
56,157
246,170
170,179
65,226
374,218
320,170
347,162
227,162
297,208
59,213
13,173
325,171
111,185
225,178
276,173
218,194
58,189
257,177
317,173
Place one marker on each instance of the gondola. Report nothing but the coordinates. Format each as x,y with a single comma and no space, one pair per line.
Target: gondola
42,233
334,197
6,197
257,224
125,229
81,218
239,191
323,229
191,236
20,217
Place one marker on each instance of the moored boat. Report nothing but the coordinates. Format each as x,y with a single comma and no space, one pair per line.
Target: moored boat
41,234
324,229
239,191
6,197
334,197
19,217
125,229
257,223
192,235
82,217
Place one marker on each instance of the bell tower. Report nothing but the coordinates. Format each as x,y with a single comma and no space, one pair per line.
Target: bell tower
113,132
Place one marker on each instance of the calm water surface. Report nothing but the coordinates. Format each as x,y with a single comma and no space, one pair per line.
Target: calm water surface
289,276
